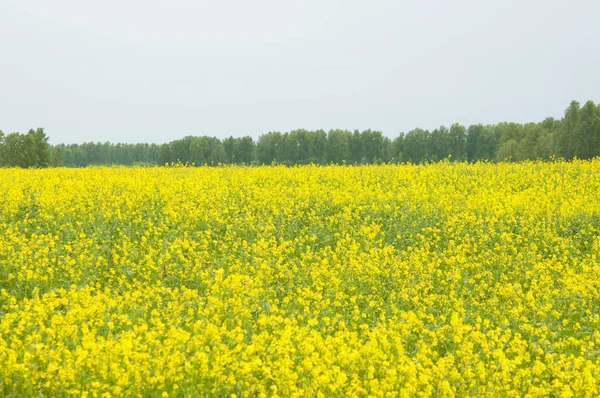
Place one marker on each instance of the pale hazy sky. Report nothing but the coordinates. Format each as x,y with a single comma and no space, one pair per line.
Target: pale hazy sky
154,71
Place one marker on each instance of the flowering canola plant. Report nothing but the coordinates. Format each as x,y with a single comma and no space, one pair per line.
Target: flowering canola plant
386,281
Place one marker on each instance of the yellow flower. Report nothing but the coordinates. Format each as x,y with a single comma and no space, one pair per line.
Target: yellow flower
432,280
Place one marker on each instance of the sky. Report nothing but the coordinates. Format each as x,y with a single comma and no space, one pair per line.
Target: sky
155,71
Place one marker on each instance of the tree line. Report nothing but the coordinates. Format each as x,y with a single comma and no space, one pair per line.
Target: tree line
577,134
26,150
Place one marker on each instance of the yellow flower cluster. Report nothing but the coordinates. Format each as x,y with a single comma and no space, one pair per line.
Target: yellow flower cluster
387,281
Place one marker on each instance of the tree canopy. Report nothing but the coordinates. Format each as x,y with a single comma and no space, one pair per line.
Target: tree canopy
577,134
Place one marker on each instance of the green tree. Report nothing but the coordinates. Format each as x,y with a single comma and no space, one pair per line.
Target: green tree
398,148
488,142
245,150
588,136
439,144
165,155
339,146
303,140
230,147
14,149
388,149
319,147
415,146
568,136
472,145
57,155
40,151
508,151
458,142
267,147
2,150
288,151
372,146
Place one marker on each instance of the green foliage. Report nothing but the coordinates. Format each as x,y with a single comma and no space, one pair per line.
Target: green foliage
2,150
588,132
267,147
339,146
25,150
577,134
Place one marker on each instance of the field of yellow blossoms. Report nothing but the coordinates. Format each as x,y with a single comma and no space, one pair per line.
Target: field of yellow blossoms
387,281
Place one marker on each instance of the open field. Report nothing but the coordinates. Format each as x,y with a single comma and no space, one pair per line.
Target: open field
444,279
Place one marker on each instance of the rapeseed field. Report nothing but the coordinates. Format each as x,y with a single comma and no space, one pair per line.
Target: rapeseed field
385,281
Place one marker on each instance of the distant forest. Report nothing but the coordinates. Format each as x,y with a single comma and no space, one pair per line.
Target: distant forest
577,134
